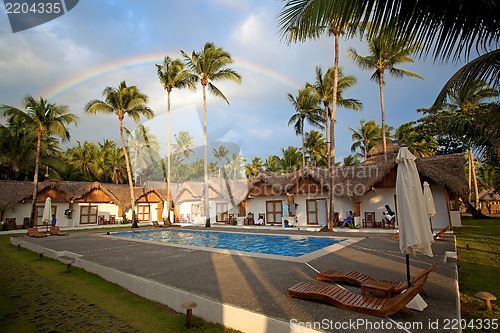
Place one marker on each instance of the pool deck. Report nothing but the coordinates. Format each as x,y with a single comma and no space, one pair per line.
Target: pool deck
250,293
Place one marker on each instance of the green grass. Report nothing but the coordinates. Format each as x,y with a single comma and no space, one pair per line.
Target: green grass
478,246
39,296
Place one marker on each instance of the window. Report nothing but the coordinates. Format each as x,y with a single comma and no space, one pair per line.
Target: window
88,214
195,210
222,215
312,211
274,211
143,213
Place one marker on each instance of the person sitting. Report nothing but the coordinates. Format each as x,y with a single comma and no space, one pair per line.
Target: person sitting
348,219
260,221
389,215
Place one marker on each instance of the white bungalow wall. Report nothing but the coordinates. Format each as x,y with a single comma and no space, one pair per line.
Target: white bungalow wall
375,201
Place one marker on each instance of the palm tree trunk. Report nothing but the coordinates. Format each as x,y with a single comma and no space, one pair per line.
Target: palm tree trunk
472,167
331,164
327,132
470,175
303,144
129,175
205,159
35,180
168,156
382,108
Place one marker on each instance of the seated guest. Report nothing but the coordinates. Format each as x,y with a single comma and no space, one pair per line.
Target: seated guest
348,219
389,214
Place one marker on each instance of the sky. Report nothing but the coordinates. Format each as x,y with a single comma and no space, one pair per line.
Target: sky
99,43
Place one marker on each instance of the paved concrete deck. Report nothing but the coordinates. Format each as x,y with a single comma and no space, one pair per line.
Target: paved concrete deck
228,285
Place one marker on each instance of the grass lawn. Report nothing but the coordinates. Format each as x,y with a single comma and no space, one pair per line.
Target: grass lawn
39,296
478,246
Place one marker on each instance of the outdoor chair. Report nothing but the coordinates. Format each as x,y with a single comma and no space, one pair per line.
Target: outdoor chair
33,232
55,231
370,219
345,299
336,219
11,223
387,288
158,225
112,219
440,235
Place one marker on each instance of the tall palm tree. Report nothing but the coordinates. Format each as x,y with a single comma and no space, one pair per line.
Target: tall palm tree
85,159
367,135
306,109
272,163
219,155
418,142
385,56
236,164
254,167
323,85
46,119
210,65
144,150
123,101
291,160
173,74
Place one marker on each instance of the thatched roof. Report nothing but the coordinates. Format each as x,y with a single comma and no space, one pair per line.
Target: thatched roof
355,181
238,189
379,149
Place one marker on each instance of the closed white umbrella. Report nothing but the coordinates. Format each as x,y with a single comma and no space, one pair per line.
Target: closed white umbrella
429,202
47,212
414,232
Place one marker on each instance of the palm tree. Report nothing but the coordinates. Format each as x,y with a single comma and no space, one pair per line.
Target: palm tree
123,101
184,144
351,160
416,21
210,65
255,167
368,135
418,142
466,100
323,85
316,148
144,150
291,160
219,155
306,108
172,74
46,119
272,163
385,56
236,164
85,159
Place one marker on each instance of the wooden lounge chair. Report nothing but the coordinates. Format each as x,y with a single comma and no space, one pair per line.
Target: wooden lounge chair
344,299
55,231
440,234
33,232
158,225
387,288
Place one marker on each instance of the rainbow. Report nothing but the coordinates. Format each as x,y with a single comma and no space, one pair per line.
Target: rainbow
71,82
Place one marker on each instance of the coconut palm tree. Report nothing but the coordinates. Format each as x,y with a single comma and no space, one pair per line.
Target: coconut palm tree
85,159
219,155
123,101
184,144
418,142
272,163
210,65
467,101
46,119
323,85
144,150
291,160
254,167
316,148
173,74
385,56
236,165
367,135
306,109
351,160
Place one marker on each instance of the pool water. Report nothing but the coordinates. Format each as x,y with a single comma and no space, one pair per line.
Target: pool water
282,245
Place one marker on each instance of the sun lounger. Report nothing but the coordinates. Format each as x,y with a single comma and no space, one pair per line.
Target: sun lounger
33,232
156,224
55,231
440,234
387,288
345,299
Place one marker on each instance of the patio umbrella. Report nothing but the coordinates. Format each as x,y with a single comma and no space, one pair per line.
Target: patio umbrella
47,212
429,201
414,232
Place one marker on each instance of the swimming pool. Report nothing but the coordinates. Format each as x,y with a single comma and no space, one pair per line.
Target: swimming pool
277,245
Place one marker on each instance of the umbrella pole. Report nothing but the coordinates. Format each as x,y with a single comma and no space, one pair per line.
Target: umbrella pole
430,221
408,270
